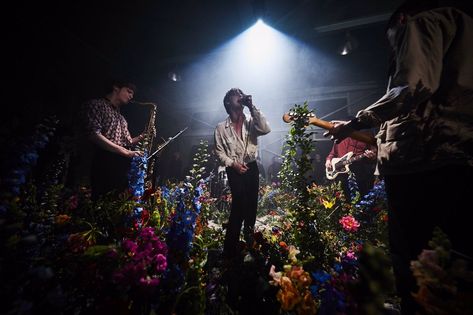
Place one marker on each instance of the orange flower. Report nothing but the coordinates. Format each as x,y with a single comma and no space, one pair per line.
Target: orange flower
62,219
308,305
288,295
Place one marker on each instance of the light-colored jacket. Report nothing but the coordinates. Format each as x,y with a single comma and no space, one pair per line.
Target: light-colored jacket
426,116
230,147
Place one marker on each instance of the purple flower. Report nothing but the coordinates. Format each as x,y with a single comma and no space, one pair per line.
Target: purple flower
161,263
130,246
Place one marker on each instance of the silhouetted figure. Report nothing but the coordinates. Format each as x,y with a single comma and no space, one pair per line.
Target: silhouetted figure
273,170
105,128
425,142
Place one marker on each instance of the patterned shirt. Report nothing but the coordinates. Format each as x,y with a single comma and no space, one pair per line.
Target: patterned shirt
230,147
101,117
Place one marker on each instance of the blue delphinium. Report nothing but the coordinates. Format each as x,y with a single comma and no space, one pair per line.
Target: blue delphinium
376,193
353,186
27,156
136,182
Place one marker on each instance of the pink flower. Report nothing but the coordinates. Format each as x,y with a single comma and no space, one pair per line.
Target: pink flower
351,255
349,223
130,247
72,202
149,282
161,263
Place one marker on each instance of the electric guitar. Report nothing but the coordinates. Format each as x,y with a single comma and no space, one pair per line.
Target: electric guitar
312,120
341,165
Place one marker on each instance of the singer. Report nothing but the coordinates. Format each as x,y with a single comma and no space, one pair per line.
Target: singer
236,147
105,130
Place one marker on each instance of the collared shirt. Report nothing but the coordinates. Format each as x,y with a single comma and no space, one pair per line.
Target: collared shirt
230,147
426,115
101,117
348,145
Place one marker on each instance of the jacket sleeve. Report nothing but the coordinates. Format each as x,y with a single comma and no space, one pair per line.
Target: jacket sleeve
419,50
259,122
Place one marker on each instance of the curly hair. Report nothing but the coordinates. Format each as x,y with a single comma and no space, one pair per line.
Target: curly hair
226,99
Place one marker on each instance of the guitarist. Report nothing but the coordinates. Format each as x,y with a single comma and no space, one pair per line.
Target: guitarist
363,168
425,142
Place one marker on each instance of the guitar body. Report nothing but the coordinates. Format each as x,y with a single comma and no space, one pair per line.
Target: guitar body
339,166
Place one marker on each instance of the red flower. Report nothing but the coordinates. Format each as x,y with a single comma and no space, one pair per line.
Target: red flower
349,223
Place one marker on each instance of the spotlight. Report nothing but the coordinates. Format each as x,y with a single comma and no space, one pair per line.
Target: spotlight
174,76
348,46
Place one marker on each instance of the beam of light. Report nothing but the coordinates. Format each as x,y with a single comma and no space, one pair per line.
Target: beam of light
259,42
259,48
277,70
271,66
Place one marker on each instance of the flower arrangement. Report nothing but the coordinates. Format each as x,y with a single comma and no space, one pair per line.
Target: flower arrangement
158,250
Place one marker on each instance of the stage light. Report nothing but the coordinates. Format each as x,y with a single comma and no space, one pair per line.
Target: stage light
348,46
174,76
260,42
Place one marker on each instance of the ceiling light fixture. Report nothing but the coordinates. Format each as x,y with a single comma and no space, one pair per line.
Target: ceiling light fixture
349,45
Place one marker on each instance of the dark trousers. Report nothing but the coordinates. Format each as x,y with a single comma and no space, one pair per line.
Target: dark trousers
416,204
244,188
109,173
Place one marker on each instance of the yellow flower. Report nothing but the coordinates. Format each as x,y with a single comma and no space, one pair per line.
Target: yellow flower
293,251
328,204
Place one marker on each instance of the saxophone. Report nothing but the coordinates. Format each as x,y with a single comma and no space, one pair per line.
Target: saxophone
146,144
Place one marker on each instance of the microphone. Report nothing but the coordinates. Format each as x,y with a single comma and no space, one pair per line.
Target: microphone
246,100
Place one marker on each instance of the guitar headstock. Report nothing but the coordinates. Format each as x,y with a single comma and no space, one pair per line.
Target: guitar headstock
293,116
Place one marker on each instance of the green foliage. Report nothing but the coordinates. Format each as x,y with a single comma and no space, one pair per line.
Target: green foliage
200,159
296,165
376,282
297,150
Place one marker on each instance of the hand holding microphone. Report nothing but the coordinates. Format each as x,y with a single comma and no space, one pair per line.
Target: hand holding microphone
247,101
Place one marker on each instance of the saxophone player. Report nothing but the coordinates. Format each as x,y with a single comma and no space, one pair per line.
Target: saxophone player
106,131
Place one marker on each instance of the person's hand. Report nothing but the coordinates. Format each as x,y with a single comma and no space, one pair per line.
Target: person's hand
132,154
239,167
339,131
247,101
328,165
370,154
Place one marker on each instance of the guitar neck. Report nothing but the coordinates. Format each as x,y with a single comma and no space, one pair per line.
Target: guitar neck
356,158
357,135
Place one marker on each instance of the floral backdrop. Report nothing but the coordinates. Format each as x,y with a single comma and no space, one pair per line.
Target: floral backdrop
158,251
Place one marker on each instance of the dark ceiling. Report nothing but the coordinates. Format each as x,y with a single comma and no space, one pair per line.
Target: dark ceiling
62,52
